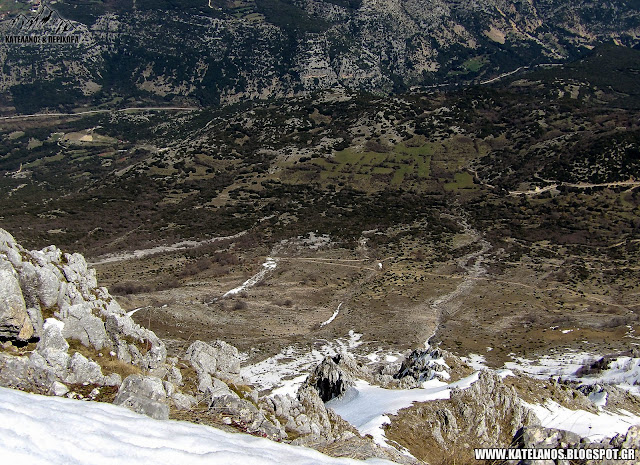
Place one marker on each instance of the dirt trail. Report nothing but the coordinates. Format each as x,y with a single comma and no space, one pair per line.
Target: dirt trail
91,112
140,253
448,305
579,185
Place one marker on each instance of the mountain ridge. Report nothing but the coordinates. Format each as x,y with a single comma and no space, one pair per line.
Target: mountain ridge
223,52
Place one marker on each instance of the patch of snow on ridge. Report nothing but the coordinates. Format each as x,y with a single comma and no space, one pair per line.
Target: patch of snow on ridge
269,265
475,361
622,371
586,424
368,407
41,430
333,317
563,365
283,372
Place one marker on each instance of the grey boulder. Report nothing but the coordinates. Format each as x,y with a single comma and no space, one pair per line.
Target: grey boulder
144,394
14,319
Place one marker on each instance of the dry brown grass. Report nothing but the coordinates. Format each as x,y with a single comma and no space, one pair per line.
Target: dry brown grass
108,363
18,350
536,391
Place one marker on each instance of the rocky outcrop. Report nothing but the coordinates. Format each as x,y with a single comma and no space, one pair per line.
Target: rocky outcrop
334,375
50,282
630,440
423,365
486,414
539,437
51,356
246,415
144,394
15,323
60,286
218,358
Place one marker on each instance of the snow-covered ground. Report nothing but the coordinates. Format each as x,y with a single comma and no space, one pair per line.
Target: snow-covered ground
586,424
269,265
562,365
58,431
475,361
368,407
284,372
141,253
623,372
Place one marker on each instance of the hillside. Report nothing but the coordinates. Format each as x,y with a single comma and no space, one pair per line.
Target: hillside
222,52
394,273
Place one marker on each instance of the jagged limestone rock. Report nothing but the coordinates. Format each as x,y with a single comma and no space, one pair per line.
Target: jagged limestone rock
51,350
76,271
144,394
35,316
83,370
630,440
183,401
333,376
217,358
14,320
81,324
21,373
247,416
122,329
487,414
422,365
536,436
58,389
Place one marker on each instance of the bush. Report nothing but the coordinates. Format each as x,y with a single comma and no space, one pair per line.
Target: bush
129,287
239,305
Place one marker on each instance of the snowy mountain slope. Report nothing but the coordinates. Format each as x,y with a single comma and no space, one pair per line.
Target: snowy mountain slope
48,430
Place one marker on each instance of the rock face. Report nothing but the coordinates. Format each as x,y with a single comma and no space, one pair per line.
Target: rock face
218,358
539,437
333,376
144,394
422,365
487,414
48,281
61,286
371,45
14,320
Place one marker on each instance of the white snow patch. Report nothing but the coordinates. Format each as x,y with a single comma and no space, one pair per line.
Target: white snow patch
55,431
586,424
623,371
284,372
50,322
333,317
566,331
599,398
284,369
475,361
133,312
503,373
141,253
290,386
562,365
268,265
368,407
